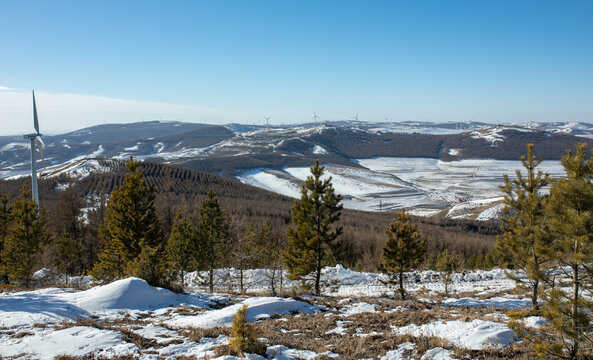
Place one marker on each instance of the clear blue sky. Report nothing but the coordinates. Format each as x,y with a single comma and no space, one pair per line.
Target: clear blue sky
494,61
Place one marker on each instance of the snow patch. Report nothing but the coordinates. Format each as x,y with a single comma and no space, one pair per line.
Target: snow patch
256,308
76,341
475,335
319,150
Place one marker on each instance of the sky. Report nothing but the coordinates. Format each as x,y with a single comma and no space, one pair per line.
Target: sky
222,61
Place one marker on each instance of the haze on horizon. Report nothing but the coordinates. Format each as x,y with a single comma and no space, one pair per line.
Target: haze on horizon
230,61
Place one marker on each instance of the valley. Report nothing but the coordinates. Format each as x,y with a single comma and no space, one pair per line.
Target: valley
432,169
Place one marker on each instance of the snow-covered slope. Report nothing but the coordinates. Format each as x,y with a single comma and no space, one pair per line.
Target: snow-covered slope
130,318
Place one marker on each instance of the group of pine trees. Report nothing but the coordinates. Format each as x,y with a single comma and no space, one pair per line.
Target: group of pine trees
133,242
549,236
23,232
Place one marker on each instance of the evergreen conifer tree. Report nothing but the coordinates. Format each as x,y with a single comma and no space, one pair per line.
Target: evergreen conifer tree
183,247
5,221
66,260
314,216
526,239
571,220
242,338
214,232
446,264
69,257
131,235
27,233
403,251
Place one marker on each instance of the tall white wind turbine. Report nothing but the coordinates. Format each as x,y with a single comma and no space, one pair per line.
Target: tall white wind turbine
35,138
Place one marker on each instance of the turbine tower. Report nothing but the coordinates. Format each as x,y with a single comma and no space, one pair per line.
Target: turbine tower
315,117
355,118
35,138
267,120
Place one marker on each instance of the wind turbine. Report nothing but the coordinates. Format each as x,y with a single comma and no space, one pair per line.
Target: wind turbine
315,117
35,138
267,120
355,118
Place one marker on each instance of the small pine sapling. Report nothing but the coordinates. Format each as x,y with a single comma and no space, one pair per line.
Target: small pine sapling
242,338
446,264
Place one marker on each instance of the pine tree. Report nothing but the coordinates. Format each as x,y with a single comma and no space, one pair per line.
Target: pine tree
310,241
571,220
242,338
214,232
91,241
525,237
5,221
27,233
69,257
446,264
403,251
66,260
131,236
183,247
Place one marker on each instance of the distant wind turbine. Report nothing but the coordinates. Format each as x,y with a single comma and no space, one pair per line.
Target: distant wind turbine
315,117
267,120
355,118
35,138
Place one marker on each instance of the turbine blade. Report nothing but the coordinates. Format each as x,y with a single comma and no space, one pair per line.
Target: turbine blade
40,145
35,120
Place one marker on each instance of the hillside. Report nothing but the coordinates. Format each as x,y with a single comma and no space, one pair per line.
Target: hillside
182,188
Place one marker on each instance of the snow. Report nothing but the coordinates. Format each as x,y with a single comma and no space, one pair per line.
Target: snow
132,148
437,353
257,308
475,335
271,180
534,321
492,135
53,305
400,352
359,308
157,317
320,150
76,341
131,294
497,302
78,168
13,146
465,188
97,152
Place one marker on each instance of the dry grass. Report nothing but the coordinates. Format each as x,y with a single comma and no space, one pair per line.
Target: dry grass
21,334
197,334
188,310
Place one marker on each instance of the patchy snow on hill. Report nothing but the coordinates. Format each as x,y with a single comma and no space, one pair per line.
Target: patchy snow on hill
492,135
319,150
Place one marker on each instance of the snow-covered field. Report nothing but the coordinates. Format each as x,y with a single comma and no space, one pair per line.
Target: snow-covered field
465,188
130,317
